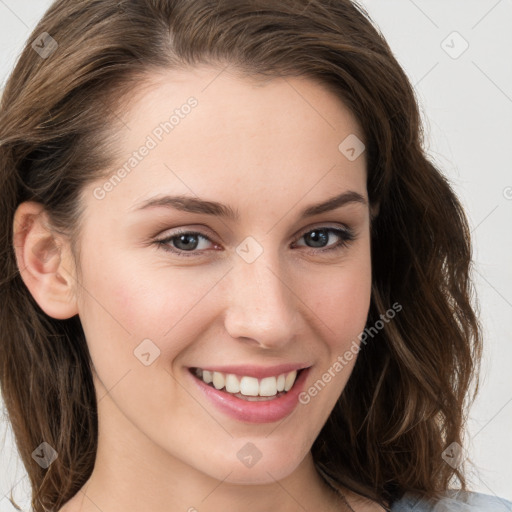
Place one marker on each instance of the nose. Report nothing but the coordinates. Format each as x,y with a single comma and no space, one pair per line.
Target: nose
261,304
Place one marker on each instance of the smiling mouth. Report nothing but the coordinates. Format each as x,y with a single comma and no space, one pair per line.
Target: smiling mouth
246,387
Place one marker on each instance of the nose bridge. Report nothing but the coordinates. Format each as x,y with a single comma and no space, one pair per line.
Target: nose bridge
261,304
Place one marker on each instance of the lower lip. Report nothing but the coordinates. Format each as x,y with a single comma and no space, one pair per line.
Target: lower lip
266,411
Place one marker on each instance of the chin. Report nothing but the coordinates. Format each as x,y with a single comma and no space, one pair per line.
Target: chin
260,474
253,465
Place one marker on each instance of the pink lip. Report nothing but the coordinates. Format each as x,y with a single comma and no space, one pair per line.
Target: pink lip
256,371
254,412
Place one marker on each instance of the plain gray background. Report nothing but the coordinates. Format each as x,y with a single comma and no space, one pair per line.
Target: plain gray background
458,55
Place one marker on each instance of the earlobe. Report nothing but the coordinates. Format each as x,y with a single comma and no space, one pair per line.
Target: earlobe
44,262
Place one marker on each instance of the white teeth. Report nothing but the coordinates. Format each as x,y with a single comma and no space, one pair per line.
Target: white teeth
218,380
249,386
232,384
280,382
268,386
207,376
290,379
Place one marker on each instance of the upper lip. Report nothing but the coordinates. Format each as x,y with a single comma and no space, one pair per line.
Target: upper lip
258,372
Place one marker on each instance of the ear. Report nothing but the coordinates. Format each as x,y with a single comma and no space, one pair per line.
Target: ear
44,261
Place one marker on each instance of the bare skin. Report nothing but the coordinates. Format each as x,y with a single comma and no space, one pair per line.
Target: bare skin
268,151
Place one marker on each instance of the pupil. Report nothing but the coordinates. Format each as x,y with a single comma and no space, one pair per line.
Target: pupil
318,235
183,239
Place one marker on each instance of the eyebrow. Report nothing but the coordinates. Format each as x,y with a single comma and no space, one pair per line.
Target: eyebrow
196,205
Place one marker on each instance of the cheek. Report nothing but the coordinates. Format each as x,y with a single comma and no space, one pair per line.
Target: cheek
341,297
341,300
128,301
341,304
143,298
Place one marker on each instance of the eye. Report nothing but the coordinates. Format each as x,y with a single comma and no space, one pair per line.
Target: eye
319,237
189,242
182,242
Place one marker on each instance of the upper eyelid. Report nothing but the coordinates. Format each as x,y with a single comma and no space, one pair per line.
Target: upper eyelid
301,233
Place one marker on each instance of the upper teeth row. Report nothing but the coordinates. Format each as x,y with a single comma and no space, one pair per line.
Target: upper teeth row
249,386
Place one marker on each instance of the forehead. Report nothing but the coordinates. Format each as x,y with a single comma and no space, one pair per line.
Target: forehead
209,132
227,101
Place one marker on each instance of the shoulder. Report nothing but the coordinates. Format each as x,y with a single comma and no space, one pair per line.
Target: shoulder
453,501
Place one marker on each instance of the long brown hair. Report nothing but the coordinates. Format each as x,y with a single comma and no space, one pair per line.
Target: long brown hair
407,397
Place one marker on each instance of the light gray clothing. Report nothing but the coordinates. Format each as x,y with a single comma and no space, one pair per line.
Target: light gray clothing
453,501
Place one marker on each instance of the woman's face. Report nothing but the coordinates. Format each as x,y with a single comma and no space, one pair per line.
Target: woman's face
258,293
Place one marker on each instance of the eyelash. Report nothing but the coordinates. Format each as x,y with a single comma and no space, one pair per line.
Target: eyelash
346,235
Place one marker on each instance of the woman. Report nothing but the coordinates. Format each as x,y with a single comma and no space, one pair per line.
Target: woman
231,278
